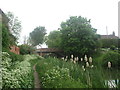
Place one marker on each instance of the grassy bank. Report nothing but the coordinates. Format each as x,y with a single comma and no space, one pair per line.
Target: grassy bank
56,73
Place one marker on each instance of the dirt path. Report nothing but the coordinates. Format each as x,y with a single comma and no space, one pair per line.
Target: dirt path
36,79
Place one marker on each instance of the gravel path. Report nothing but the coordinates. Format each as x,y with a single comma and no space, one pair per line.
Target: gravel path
36,79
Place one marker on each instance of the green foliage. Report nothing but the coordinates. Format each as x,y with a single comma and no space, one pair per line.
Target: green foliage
56,73
107,43
15,57
14,25
112,47
26,49
112,57
78,36
54,39
61,75
55,76
5,37
21,76
37,36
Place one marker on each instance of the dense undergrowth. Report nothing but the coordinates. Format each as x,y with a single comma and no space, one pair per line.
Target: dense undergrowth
55,73
19,76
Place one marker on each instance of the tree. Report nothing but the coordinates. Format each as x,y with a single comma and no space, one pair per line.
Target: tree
54,39
37,36
14,25
78,36
26,49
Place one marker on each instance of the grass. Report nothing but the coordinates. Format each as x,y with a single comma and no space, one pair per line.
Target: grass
55,73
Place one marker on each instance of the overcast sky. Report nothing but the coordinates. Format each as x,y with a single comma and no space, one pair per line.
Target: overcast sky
50,13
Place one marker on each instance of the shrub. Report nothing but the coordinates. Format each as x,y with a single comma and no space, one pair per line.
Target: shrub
15,57
26,49
113,57
112,47
21,76
106,43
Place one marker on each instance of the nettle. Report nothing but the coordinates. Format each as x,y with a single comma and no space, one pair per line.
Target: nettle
19,77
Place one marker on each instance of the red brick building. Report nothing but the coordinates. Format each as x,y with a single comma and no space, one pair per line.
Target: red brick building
15,49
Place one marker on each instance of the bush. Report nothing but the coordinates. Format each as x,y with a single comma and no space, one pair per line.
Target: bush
107,43
112,47
21,76
26,49
112,57
15,57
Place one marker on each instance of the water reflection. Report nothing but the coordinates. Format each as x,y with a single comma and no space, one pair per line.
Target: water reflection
112,83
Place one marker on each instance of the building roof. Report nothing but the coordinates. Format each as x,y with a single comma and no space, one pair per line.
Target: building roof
4,17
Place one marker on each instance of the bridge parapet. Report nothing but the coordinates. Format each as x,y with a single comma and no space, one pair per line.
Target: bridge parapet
48,50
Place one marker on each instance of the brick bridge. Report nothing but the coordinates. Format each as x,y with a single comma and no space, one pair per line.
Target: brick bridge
44,51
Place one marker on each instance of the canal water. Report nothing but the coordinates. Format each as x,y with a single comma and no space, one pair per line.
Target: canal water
112,78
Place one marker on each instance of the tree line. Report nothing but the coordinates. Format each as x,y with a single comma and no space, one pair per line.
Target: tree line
75,36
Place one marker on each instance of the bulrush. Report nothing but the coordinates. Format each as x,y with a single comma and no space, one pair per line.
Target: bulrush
92,66
72,56
90,59
83,68
87,64
66,58
81,59
71,60
86,58
77,58
109,64
62,58
74,61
